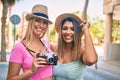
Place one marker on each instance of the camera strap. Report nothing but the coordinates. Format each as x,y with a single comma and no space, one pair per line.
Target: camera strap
29,50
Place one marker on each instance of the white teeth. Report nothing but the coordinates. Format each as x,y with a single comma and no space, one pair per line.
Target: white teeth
39,29
68,37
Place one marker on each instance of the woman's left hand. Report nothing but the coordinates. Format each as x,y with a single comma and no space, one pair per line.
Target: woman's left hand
85,25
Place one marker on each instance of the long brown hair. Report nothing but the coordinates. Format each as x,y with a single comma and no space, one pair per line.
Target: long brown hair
76,44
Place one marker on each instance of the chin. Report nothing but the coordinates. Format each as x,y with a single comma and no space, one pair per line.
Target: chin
68,41
42,35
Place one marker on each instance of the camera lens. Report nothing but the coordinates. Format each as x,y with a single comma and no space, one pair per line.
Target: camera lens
50,61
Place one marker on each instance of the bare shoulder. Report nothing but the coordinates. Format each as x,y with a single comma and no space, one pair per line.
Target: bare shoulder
53,47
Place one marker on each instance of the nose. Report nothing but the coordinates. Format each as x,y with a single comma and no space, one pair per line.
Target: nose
68,30
41,24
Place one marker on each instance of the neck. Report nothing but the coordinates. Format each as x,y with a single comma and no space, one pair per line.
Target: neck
68,46
67,49
34,40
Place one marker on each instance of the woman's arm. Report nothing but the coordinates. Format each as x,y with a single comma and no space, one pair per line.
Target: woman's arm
14,69
89,56
13,72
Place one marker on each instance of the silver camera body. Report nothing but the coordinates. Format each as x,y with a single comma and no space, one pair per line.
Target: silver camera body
51,58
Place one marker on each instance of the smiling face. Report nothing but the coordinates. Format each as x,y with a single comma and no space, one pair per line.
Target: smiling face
40,27
68,32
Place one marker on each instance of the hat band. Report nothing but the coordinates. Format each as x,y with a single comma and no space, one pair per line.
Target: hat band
41,14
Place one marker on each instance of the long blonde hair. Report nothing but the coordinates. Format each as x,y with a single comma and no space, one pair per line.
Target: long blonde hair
29,31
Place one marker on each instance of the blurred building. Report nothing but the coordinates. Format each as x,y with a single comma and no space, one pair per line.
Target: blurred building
112,12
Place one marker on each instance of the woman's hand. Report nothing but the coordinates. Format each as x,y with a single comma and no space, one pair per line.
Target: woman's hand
38,62
85,25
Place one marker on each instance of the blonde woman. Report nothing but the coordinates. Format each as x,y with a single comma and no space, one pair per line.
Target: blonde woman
23,55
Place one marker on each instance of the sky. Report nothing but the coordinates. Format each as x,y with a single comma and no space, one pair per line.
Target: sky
57,7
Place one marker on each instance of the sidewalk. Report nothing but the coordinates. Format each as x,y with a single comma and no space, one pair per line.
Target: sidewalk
3,70
107,70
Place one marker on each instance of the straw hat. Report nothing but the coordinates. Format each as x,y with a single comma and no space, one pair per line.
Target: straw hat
39,11
61,17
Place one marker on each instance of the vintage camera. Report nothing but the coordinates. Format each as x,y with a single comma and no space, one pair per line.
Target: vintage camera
51,58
